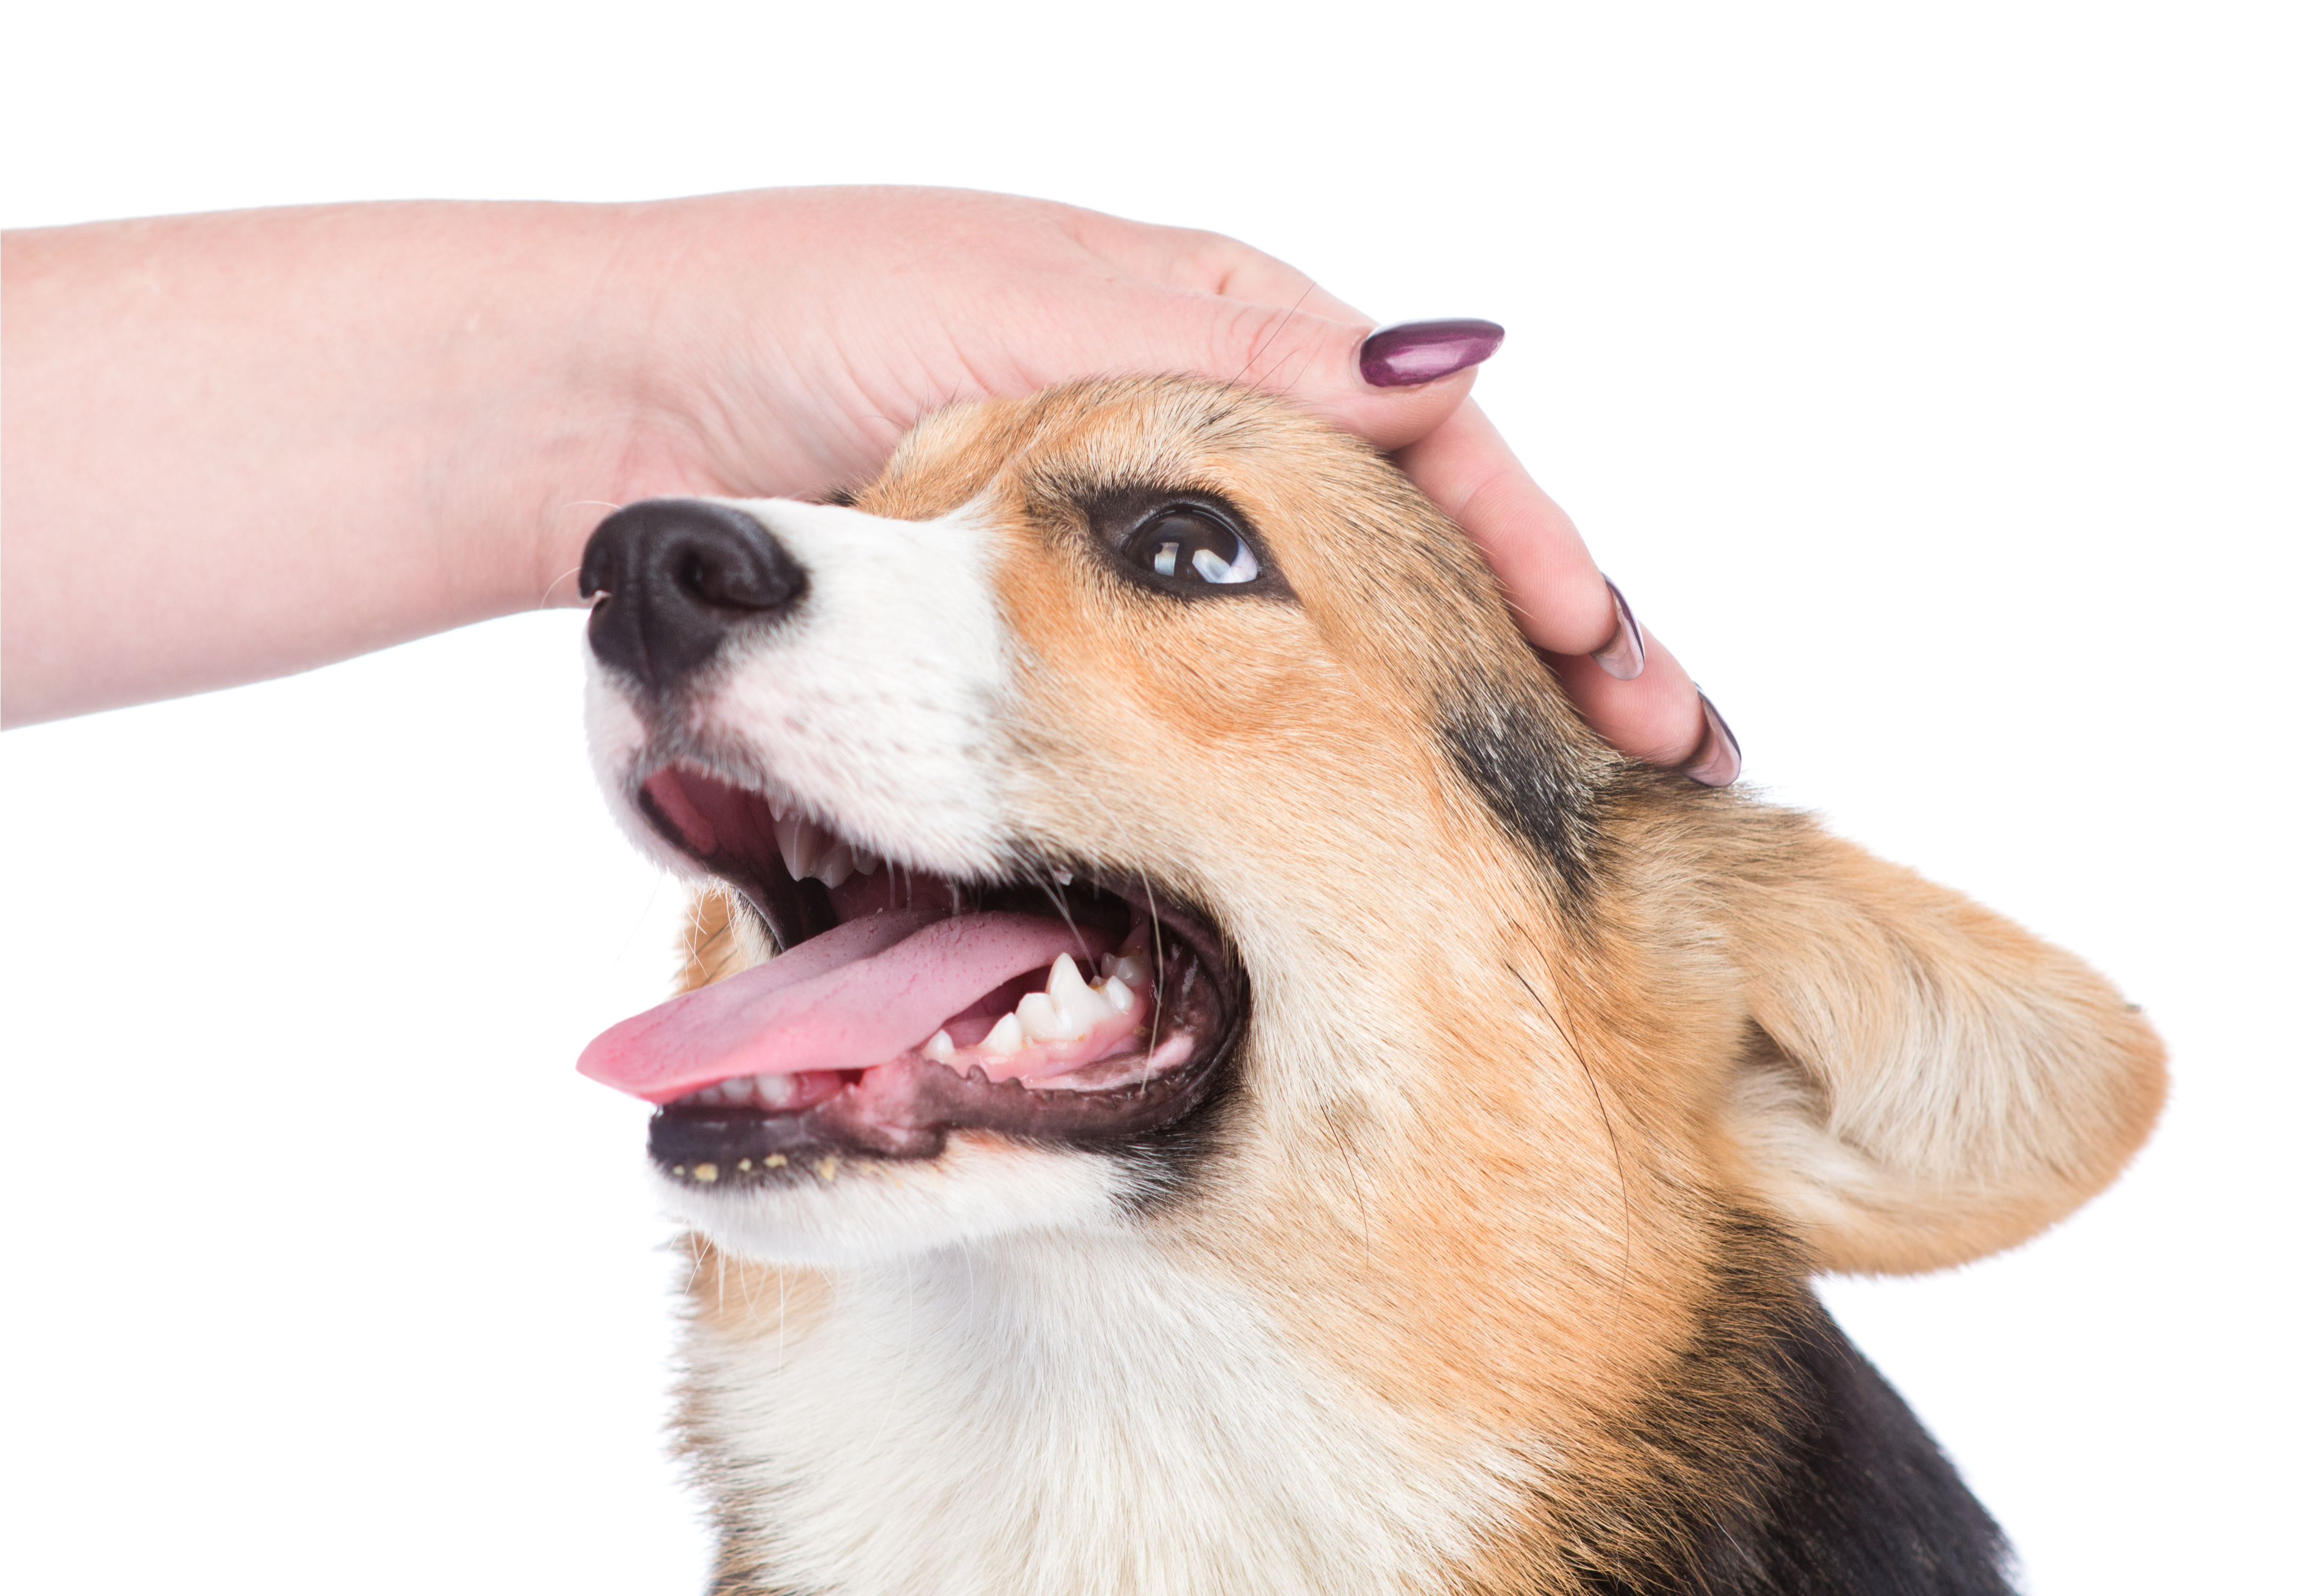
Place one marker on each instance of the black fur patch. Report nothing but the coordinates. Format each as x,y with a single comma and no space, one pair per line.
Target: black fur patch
1867,1502
1538,786
1795,1468
1167,1160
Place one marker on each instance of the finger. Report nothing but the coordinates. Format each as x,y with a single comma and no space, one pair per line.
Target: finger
1391,387
1658,717
1212,263
1565,604
1314,360
1272,326
1559,596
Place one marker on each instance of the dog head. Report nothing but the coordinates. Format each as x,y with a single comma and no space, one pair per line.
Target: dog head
1164,828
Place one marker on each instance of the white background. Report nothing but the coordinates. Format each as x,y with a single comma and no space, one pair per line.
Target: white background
1941,384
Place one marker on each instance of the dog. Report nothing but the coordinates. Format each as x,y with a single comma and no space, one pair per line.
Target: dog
1196,1072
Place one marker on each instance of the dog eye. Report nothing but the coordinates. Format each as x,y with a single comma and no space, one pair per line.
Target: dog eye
1188,548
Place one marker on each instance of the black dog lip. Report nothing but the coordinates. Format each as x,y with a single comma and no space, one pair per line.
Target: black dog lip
686,1139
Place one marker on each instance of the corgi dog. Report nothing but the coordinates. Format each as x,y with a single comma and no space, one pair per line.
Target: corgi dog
1197,1072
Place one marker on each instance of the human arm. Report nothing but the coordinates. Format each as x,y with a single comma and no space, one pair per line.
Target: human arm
244,444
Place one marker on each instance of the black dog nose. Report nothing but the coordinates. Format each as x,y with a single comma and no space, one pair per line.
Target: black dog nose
672,578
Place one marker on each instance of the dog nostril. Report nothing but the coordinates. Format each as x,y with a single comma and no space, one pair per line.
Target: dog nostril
745,571
674,577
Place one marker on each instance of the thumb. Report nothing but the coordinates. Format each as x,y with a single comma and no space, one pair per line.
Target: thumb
1390,385
1237,314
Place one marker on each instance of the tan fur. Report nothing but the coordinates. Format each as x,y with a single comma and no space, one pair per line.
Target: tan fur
1501,1141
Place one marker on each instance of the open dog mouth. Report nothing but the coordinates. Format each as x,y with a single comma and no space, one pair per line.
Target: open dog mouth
904,1006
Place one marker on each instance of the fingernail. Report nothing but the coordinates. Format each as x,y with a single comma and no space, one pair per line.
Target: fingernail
1623,658
1412,353
1718,760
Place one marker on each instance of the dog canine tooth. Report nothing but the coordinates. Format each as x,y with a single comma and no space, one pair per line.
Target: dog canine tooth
1076,1000
792,837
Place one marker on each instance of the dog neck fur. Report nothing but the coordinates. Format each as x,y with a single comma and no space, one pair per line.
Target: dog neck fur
1051,1413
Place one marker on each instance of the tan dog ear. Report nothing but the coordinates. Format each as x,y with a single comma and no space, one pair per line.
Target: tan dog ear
1924,1081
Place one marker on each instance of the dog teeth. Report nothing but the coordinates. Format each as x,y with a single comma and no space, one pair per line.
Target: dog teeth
836,865
1068,1010
788,837
764,1091
811,852
1075,999
1041,1020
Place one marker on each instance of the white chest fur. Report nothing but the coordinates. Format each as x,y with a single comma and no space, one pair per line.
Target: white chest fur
1053,1414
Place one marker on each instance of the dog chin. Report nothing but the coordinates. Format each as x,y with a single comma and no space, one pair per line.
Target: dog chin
980,1190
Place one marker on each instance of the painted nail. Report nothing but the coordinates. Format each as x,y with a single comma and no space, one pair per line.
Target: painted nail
1623,658
1412,353
1718,760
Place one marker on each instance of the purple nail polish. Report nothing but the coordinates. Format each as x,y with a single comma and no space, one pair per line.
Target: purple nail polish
1412,353
1718,760
1623,658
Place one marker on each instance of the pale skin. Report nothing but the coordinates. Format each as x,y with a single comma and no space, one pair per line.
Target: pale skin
246,445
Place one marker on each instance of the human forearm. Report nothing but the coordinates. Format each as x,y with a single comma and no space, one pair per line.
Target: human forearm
243,444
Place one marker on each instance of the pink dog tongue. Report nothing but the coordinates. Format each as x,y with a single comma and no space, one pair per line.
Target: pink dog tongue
855,997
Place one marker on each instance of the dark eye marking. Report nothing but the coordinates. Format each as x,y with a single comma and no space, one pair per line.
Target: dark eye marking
1185,544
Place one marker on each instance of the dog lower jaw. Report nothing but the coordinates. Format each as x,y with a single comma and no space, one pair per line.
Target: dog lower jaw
906,1111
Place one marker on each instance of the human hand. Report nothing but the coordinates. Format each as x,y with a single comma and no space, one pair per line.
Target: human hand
794,335
249,443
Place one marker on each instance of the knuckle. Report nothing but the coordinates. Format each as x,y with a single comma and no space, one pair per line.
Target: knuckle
1267,346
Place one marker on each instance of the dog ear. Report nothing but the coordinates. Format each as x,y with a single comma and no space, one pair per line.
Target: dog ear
1923,1083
